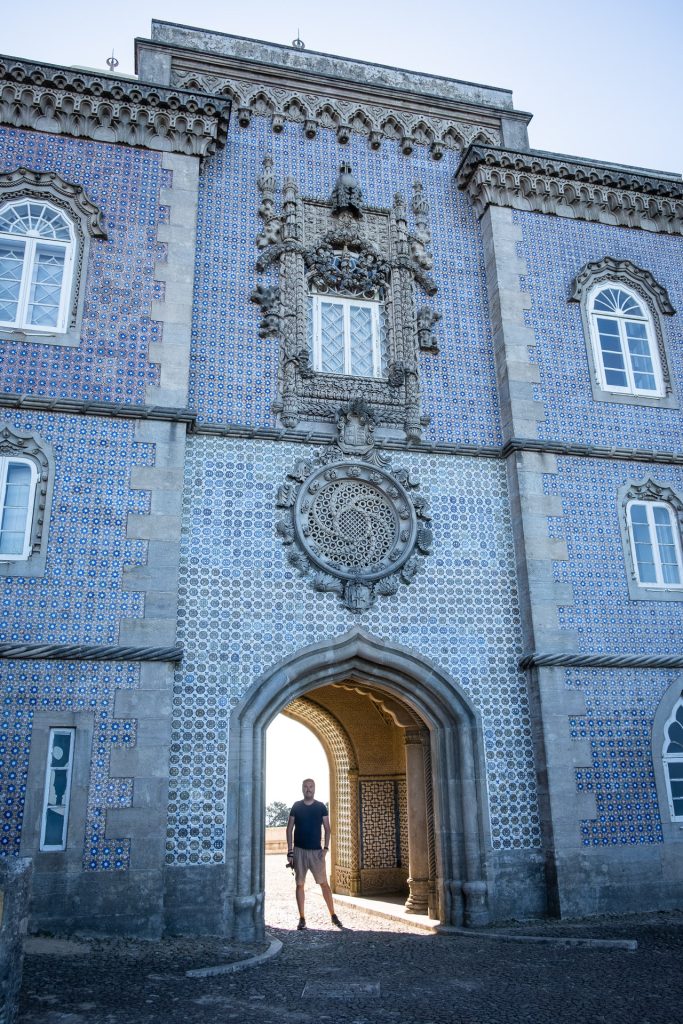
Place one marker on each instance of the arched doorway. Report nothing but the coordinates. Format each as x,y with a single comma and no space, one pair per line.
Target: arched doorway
442,728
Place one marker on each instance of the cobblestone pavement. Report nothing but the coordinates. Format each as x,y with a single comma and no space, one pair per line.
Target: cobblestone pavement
373,972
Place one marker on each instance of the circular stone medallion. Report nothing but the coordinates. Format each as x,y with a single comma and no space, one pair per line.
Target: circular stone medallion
355,522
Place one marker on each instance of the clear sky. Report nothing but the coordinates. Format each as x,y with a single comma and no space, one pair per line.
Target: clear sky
293,754
603,79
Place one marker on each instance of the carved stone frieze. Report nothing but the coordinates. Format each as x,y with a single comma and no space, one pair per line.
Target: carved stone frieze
344,248
551,184
67,101
352,523
345,118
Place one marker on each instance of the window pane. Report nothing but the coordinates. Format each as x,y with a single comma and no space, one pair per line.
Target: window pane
11,267
361,341
611,352
642,544
641,360
15,509
332,337
614,300
667,546
54,826
46,287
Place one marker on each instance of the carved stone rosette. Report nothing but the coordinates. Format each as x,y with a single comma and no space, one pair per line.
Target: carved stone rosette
352,523
345,248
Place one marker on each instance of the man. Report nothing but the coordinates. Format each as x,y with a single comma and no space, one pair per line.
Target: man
304,853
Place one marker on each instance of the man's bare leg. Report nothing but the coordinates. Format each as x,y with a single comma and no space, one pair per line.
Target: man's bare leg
327,896
300,897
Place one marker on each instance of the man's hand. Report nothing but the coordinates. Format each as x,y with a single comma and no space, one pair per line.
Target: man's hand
290,859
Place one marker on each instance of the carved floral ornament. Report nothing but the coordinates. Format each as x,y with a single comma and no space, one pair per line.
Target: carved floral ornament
345,248
345,118
352,524
543,183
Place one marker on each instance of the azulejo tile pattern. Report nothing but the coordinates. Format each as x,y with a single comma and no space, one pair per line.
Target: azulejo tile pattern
382,824
555,250
606,620
243,608
112,362
458,384
31,686
620,708
80,598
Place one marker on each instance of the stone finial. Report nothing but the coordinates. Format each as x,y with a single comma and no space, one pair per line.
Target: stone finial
346,194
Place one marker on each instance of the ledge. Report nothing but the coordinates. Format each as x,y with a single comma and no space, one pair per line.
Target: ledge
566,660
88,652
67,101
567,186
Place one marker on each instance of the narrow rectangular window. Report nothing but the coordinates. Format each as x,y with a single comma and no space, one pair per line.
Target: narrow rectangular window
55,817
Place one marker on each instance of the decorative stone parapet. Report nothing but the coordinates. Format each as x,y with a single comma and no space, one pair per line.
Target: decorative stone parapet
15,882
569,187
67,101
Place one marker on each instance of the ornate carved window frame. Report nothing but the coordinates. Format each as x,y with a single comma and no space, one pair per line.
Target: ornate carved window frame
657,304
647,491
672,829
31,448
301,242
86,220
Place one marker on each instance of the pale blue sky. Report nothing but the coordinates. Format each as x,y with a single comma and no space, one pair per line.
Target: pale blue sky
603,79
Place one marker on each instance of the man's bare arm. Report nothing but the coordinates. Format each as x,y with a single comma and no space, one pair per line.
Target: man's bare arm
290,834
328,831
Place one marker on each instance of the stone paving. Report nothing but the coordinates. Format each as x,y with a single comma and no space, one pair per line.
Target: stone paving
373,972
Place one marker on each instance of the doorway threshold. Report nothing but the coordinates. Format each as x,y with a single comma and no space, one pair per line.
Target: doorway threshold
389,907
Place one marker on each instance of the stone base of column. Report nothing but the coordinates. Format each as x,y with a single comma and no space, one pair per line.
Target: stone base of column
418,901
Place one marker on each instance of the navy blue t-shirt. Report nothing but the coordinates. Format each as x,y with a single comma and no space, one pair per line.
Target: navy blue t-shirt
308,820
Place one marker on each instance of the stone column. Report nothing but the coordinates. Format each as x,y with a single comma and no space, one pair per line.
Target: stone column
418,846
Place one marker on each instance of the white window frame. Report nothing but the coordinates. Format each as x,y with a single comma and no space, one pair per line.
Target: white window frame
659,390
31,242
5,463
668,759
660,584
67,792
317,298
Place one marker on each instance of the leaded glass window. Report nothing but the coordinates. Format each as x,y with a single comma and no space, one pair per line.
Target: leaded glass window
673,761
18,479
55,819
347,336
626,355
36,265
656,544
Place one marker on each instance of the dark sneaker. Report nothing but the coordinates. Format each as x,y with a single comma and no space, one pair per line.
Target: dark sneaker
301,925
336,922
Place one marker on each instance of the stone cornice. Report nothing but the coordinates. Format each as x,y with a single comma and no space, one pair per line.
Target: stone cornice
608,267
75,406
88,652
66,101
623,660
573,188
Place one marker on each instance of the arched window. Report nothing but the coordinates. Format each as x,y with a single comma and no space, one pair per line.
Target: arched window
624,342
672,754
37,243
18,479
347,332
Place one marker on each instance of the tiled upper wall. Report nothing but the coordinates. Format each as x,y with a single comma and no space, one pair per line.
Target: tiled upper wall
234,372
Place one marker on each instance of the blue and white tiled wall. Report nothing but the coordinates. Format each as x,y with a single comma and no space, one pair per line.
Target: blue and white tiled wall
555,250
253,609
458,384
112,363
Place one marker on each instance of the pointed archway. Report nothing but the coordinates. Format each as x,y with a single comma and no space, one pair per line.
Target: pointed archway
460,818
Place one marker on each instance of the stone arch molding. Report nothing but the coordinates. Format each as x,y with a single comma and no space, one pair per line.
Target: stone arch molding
461,821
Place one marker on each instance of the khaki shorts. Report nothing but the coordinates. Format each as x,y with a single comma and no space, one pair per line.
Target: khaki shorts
309,860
